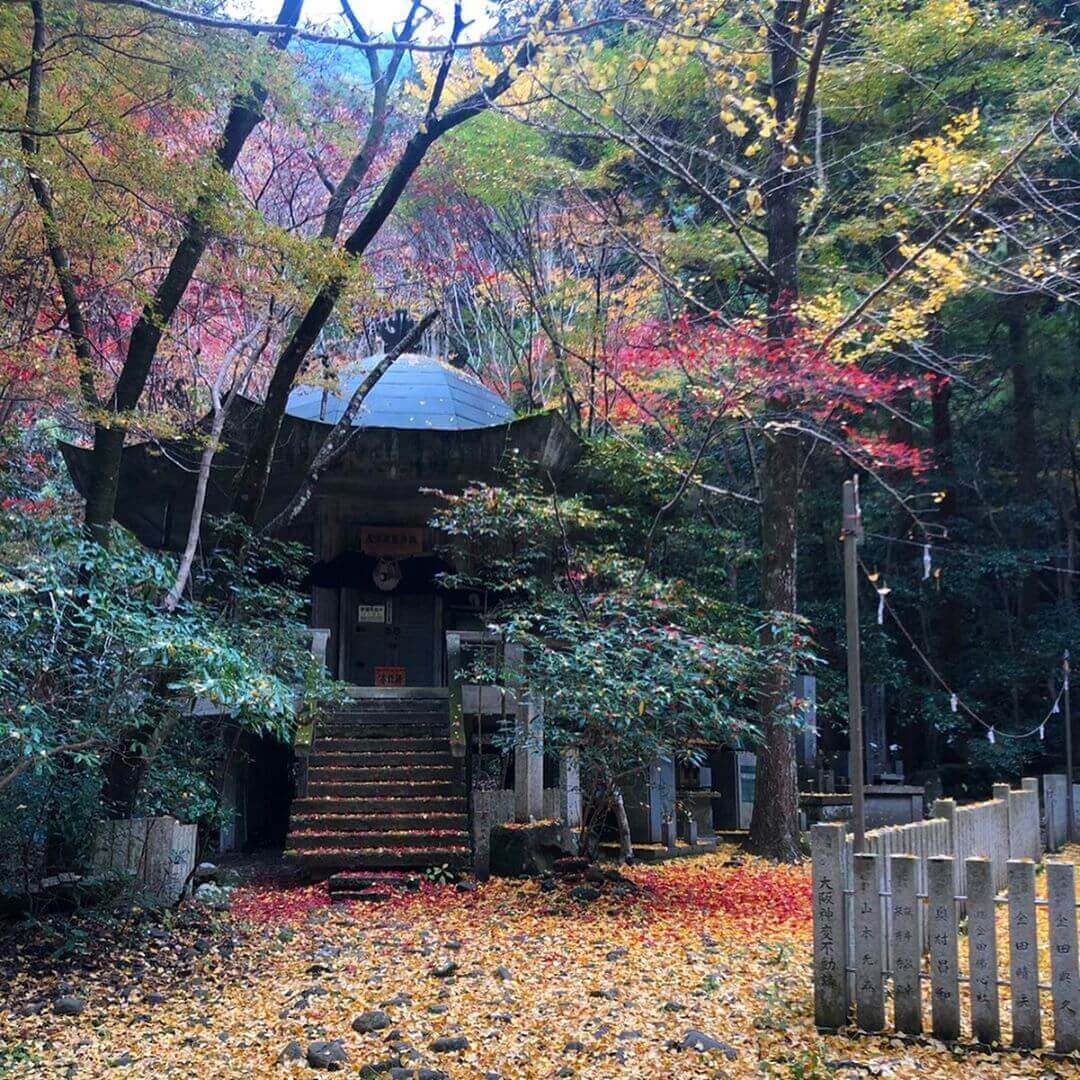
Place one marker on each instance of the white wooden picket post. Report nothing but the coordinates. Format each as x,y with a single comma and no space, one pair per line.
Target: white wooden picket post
982,951
1064,973
1024,954
906,944
1055,800
869,977
886,932
944,960
827,845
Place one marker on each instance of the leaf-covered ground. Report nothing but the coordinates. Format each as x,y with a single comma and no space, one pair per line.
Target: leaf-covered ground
545,984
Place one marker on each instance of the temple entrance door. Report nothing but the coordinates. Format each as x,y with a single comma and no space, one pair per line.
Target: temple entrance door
390,640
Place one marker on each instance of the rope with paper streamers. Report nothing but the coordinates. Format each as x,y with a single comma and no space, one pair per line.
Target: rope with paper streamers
954,699
948,549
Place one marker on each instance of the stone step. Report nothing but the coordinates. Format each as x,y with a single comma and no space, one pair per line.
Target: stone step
402,804
430,838
398,719
353,880
437,732
344,859
404,773
419,789
374,895
365,744
373,822
398,697
366,759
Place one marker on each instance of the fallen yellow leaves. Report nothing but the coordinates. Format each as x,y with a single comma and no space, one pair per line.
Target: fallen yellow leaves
536,983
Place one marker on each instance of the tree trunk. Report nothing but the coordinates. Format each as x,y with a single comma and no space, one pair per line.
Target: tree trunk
622,823
1025,433
774,827
245,114
129,763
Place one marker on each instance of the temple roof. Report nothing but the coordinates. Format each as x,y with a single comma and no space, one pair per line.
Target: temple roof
381,466
417,392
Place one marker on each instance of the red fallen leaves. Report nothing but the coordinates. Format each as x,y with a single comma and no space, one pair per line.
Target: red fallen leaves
277,903
756,894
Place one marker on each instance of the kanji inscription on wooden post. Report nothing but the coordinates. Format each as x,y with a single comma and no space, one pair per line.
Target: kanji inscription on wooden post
869,978
982,951
830,940
1064,973
944,964
906,944
1024,954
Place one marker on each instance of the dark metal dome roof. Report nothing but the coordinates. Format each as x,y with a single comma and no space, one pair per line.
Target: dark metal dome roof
417,392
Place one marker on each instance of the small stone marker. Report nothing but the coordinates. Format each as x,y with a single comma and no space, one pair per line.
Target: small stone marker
668,834
1025,841
570,796
529,763
906,944
944,963
830,939
869,979
1055,797
1023,952
982,951
1064,972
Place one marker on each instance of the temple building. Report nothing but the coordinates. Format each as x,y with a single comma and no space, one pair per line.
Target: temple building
425,426
379,784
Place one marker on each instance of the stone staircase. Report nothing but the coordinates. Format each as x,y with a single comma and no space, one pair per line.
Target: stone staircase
384,791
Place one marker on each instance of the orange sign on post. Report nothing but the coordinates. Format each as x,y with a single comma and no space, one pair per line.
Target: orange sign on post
389,676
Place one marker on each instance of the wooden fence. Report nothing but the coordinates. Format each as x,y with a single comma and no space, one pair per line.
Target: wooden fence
893,913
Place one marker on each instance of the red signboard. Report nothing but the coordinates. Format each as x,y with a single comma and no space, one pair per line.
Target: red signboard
389,676
392,540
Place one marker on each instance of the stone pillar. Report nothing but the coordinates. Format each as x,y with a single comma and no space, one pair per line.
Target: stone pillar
830,934
570,797
1024,838
1064,972
1024,953
944,961
906,944
946,808
1055,799
669,834
982,951
869,978
804,687
650,801
529,763
481,824
874,735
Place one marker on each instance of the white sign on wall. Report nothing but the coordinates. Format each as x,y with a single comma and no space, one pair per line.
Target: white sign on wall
370,613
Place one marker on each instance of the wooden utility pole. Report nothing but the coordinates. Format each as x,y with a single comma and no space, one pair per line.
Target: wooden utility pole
852,534
1068,748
